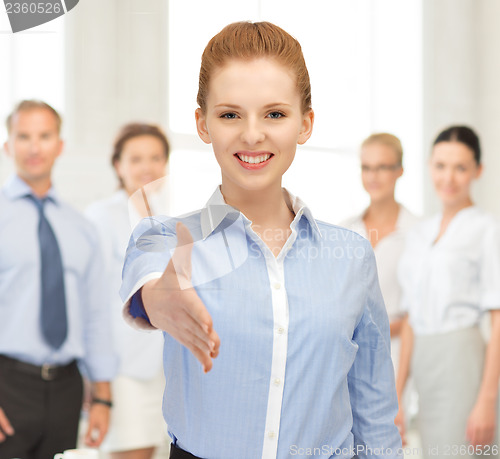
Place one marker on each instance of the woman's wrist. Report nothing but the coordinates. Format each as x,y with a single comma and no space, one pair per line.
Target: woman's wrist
102,401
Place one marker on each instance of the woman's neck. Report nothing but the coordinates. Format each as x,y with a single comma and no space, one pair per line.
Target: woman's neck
266,208
449,211
382,211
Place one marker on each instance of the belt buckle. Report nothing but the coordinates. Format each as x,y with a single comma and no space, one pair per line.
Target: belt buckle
47,375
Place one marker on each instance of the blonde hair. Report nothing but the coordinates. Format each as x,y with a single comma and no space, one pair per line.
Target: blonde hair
389,140
27,105
250,40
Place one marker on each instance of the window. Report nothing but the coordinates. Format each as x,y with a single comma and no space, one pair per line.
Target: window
364,60
31,69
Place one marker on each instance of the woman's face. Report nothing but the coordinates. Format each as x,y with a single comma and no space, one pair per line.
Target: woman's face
380,169
453,169
142,161
254,122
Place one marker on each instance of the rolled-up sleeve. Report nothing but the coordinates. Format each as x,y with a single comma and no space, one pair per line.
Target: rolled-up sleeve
490,267
371,379
148,254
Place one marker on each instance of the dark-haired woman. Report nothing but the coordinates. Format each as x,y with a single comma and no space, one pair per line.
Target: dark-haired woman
450,275
139,158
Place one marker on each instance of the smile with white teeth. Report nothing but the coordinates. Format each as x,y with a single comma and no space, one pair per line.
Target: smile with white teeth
253,159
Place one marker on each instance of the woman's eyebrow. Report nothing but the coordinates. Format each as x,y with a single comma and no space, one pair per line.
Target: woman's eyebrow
277,104
273,104
226,106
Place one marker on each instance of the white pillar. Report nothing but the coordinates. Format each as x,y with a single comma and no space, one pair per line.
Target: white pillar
451,73
488,62
116,73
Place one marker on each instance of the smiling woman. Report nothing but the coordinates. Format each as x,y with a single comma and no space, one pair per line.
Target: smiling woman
368,81
290,325
238,119
449,273
385,221
140,156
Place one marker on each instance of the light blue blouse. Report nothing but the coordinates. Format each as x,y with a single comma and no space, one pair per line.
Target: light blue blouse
304,367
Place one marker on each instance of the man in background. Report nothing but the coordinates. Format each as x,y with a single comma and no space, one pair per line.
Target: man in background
52,314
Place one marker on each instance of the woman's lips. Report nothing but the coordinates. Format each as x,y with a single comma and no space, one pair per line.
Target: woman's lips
253,161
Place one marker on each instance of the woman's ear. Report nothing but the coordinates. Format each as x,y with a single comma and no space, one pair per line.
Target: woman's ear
116,165
479,171
307,127
201,126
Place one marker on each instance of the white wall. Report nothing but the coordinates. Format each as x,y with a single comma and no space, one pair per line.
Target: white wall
116,62
488,57
461,83
116,73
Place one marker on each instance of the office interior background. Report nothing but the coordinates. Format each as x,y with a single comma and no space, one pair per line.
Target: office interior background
408,67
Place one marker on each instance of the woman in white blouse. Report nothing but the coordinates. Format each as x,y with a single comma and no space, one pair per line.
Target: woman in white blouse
450,274
139,158
385,222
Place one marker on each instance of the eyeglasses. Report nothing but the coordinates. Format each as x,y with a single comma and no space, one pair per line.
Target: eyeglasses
380,168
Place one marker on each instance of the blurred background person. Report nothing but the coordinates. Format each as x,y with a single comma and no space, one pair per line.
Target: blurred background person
450,275
53,315
140,157
385,222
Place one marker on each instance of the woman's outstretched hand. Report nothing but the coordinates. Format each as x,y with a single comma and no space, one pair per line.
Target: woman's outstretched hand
173,305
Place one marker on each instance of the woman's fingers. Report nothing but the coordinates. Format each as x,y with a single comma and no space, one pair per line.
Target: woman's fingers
173,305
480,433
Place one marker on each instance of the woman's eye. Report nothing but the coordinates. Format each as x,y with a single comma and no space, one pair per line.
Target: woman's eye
228,116
275,115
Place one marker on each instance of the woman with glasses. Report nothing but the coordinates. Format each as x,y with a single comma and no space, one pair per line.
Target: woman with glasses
385,222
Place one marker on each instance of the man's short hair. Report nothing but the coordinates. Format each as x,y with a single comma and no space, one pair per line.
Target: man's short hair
26,105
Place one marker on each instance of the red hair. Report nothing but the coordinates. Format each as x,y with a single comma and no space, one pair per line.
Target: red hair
247,40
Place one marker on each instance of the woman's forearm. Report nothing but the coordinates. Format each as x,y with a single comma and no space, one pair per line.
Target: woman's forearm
488,391
406,350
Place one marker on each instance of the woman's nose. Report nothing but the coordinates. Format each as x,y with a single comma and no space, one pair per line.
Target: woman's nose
253,132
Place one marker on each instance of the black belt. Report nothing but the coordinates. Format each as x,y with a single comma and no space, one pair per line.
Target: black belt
178,453
46,372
